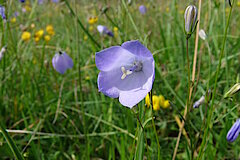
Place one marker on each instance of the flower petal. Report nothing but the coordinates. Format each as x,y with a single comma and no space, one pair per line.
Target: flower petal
113,57
135,47
107,83
68,60
130,99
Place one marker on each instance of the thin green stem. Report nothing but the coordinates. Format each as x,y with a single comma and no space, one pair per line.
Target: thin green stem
131,19
11,143
81,25
206,132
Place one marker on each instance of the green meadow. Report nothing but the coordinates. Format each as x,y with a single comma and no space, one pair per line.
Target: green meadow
47,115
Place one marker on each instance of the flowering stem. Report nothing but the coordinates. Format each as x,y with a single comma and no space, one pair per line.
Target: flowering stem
186,107
209,118
11,143
81,25
154,127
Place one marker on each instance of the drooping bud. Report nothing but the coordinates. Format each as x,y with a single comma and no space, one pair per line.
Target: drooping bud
234,131
233,90
190,17
202,99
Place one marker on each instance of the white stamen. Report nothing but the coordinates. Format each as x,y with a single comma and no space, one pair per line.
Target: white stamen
125,72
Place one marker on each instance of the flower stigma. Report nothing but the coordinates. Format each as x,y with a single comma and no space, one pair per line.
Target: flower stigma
136,67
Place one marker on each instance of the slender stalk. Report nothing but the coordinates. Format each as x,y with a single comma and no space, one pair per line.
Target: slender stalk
11,143
85,130
131,19
193,78
81,25
206,132
186,107
154,127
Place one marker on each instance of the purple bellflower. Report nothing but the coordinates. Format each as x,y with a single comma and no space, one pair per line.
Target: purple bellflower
22,1
2,12
142,9
61,62
127,72
234,131
104,30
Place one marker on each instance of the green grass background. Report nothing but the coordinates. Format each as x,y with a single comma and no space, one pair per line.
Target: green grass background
68,117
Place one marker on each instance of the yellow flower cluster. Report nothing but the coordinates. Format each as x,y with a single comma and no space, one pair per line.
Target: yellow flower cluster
39,34
92,20
158,101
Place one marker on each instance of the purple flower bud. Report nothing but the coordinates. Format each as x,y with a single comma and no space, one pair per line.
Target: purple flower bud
104,30
190,17
234,131
2,12
61,62
142,9
22,1
126,72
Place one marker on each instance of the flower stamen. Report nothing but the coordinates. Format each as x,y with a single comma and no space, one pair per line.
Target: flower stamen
125,72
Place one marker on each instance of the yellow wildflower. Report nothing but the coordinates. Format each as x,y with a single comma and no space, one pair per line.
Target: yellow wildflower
39,33
92,20
147,100
115,29
26,36
156,103
50,30
166,104
47,38
161,100
13,20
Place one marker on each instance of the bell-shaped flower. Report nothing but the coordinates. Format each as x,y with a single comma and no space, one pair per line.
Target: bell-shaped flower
190,17
104,30
61,62
127,72
234,131
142,9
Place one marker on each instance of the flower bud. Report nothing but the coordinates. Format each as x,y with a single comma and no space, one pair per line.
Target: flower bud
234,131
190,17
233,90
